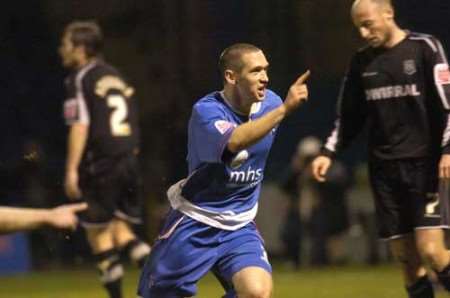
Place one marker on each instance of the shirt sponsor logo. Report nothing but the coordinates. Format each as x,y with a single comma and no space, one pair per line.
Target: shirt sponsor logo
390,92
409,67
250,175
223,126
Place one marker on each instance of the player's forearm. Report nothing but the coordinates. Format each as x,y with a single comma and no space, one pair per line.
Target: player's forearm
18,219
76,144
251,132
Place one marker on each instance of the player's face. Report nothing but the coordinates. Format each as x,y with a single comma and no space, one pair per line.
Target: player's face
67,51
253,78
373,23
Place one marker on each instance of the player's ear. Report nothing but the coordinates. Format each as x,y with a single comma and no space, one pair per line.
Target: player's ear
230,76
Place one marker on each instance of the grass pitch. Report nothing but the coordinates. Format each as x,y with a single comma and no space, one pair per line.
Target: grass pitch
342,282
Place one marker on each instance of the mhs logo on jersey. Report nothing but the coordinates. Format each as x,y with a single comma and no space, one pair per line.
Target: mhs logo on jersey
249,175
392,92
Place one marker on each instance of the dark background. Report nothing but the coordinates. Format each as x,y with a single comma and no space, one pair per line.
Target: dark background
169,51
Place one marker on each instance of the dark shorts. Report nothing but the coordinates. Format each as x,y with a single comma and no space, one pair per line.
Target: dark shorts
187,249
407,196
112,190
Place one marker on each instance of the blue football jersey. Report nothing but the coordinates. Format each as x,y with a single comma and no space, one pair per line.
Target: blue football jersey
222,189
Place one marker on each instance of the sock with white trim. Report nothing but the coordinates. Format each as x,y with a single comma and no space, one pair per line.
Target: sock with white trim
422,288
138,251
444,277
111,272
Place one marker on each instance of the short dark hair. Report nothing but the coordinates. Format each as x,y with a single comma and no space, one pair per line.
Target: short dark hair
87,34
231,56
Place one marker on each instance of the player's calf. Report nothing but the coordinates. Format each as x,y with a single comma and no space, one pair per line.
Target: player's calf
138,251
111,272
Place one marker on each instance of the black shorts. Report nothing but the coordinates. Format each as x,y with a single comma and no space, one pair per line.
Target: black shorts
407,196
111,187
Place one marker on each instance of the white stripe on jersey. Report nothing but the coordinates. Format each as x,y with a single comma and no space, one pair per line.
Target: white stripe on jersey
333,138
427,39
83,110
436,46
226,220
446,134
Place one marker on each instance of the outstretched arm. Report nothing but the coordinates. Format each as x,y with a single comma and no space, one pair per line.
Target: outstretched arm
250,133
19,219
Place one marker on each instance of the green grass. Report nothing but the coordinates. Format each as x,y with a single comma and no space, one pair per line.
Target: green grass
341,282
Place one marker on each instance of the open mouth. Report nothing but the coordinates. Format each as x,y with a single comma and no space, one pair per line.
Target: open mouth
261,91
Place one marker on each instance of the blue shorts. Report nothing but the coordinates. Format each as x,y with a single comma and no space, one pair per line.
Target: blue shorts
187,249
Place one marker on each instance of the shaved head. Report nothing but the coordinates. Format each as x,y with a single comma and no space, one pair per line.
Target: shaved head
375,22
385,4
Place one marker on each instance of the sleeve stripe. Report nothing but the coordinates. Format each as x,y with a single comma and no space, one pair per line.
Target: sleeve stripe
427,40
84,114
439,87
442,53
333,138
446,135
436,46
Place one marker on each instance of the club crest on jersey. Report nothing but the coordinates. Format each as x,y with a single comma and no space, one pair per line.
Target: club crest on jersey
239,159
442,74
223,126
409,67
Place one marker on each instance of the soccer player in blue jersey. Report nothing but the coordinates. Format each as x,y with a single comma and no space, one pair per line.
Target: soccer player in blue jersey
210,225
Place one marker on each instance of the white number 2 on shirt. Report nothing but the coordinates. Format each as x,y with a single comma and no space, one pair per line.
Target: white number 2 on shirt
119,127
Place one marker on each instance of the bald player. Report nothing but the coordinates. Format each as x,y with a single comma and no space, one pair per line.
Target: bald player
399,85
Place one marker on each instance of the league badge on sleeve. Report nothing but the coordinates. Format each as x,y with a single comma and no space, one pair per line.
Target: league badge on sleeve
71,109
223,126
442,74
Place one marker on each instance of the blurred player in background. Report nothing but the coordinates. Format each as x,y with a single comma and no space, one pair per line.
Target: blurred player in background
210,225
14,219
101,162
400,85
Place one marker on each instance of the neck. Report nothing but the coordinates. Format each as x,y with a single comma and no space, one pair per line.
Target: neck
397,36
85,61
233,98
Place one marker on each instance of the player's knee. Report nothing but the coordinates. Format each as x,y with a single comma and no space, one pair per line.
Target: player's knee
138,251
429,251
256,290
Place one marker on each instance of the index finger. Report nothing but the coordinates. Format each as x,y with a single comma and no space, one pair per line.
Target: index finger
79,207
303,77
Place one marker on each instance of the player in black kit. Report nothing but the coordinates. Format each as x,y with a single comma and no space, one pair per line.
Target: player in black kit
400,86
101,162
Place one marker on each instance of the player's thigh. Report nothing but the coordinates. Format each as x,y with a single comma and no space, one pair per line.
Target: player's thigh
253,282
242,253
184,252
122,232
129,203
430,242
100,238
403,248
397,187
